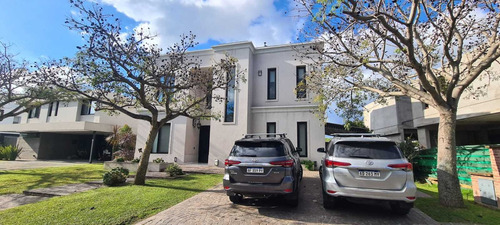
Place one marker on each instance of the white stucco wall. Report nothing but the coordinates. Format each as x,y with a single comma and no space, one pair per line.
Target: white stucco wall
286,119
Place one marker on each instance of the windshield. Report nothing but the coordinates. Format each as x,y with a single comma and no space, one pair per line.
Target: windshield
366,150
258,149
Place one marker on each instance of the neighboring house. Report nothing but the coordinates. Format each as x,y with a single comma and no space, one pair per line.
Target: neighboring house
9,138
266,103
478,118
64,130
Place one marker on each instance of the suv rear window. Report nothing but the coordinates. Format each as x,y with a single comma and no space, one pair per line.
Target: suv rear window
366,150
258,149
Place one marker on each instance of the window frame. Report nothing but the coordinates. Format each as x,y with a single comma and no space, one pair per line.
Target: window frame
269,70
275,129
36,113
233,89
303,93
157,142
304,151
89,110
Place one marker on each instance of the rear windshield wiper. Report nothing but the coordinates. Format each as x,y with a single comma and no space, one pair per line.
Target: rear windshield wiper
360,156
248,155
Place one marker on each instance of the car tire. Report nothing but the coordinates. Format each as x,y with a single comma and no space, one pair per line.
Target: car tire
293,199
236,198
401,208
329,202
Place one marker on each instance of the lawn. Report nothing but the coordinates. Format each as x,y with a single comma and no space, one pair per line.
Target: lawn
472,213
111,205
16,181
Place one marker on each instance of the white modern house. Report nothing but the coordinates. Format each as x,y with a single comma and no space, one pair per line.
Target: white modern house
478,118
266,103
63,130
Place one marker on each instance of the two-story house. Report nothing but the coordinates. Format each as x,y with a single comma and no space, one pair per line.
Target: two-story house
64,130
266,103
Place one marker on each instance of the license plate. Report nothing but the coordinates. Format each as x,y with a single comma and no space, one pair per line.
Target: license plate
369,173
255,170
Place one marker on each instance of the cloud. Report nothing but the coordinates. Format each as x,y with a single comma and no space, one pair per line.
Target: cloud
219,20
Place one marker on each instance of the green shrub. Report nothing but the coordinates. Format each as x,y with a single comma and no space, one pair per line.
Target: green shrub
158,160
115,177
136,160
120,159
308,164
411,151
9,152
174,170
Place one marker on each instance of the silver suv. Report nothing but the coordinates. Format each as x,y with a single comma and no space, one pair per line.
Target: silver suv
366,166
263,165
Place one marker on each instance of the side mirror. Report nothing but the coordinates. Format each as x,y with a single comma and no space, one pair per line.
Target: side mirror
321,150
298,149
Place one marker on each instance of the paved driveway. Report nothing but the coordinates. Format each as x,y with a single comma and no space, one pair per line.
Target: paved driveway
214,207
33,164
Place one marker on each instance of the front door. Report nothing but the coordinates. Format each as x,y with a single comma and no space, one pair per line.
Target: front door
204,144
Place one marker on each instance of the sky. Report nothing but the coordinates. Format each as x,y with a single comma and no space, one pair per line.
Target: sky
36,31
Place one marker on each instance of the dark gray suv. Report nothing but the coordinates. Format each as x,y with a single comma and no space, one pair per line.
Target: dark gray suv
263,165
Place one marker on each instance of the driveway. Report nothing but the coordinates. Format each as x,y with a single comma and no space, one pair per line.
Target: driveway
214,207
33,164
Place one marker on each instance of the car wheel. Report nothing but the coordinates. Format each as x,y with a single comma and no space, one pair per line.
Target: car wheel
236,198
329,202
401,208
293,199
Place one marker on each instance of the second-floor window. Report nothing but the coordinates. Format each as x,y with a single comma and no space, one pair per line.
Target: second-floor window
34,112
271,84
301,82
230,92
53,108
87,107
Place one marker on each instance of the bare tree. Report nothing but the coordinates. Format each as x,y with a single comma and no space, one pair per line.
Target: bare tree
123,72
17,93
431,51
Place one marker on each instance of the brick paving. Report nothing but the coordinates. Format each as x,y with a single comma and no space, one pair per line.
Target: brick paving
214,207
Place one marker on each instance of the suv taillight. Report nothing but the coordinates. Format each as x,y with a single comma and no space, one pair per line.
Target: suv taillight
404,166
331,164
287,163
228,162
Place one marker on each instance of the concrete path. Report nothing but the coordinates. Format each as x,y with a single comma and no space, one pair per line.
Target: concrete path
36,195
33,164
214,207
62,190
14,200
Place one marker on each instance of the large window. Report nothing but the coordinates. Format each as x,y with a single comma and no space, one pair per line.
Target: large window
230,92
162,141
271,84
302,138
88,107
271,129
301,81
34,113
53,106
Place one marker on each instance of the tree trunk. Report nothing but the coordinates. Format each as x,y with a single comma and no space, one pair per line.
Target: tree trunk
140,177
448,184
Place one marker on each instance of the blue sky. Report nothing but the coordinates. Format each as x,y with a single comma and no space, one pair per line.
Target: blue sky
36,30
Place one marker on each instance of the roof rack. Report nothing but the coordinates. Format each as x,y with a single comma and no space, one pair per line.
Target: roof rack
259,135
355,135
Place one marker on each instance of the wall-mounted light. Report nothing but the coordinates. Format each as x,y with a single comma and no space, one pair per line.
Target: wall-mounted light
259,73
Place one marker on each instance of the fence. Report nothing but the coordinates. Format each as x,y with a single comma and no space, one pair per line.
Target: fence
470,159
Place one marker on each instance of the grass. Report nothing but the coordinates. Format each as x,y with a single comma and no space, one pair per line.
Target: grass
111,205
472,213
16,181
